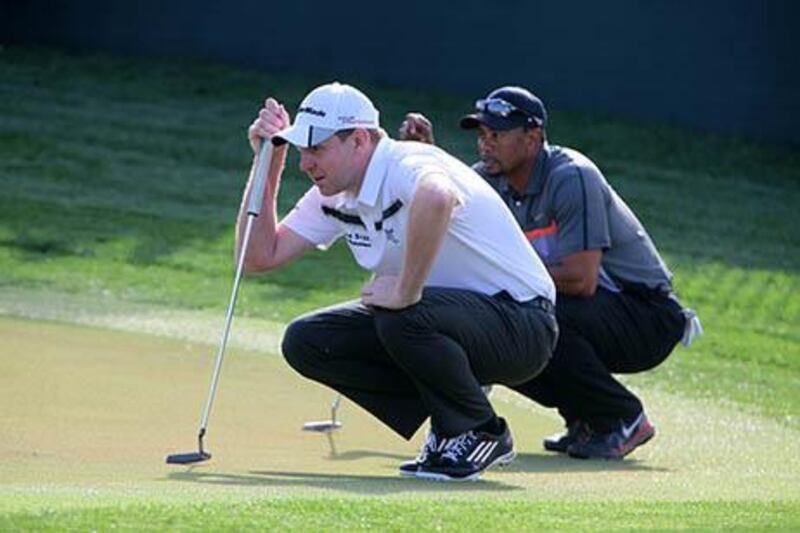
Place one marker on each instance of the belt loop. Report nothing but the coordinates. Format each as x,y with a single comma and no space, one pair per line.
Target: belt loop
544,304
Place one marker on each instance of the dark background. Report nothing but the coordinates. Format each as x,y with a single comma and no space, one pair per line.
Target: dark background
722,65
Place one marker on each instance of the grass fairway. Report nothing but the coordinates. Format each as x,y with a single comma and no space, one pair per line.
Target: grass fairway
119,184
94,412
377,514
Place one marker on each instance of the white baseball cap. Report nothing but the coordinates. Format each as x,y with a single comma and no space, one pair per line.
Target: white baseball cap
326,110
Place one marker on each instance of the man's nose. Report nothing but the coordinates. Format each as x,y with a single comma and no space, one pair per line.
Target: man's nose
306,162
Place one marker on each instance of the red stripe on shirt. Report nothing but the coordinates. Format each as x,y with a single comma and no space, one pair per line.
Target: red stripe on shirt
541,232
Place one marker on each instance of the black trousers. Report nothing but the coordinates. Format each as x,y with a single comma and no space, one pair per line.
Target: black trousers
429,359
626,332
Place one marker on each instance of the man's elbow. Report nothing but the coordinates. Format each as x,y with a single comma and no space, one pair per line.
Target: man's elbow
257,265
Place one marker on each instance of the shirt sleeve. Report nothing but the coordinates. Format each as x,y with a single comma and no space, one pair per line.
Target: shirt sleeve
308,220
404,186
579,209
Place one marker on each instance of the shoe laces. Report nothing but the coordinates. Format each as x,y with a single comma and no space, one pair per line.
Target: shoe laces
432,444
460,445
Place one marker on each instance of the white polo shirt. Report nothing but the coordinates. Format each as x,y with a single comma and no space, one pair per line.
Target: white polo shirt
484,249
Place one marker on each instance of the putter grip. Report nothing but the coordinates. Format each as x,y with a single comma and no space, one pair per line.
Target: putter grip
260,178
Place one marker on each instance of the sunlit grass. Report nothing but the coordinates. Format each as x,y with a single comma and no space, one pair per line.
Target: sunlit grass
397,515
122,178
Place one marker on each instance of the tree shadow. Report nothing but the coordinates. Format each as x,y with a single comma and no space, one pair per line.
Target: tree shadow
151,183
357,484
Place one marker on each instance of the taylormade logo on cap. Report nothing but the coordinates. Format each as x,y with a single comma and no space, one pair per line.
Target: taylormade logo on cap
313,111
326,110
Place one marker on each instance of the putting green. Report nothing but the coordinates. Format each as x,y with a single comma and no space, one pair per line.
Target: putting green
89,414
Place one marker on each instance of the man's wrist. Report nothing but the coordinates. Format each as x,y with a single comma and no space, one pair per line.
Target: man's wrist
409,295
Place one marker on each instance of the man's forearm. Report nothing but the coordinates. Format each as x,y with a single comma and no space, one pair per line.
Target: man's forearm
262,240
566,285
571,282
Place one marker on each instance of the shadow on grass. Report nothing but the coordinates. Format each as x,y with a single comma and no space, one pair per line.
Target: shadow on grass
527,462
357,484
365,484
355,455
537,462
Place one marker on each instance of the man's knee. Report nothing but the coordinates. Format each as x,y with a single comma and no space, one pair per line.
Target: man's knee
297,348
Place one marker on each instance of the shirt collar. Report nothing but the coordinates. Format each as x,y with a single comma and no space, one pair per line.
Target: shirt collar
376,173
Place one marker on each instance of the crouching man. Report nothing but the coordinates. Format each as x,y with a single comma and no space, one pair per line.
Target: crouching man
458,299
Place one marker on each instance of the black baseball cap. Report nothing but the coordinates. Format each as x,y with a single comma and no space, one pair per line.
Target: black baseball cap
507,108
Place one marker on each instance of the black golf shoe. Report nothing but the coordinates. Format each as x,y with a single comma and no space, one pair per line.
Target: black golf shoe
577,431
430,450
616,444
466,456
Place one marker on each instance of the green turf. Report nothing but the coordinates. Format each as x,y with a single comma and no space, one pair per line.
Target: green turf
120,180
94,412
348,514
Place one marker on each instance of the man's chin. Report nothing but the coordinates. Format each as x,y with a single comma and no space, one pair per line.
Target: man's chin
325,191
492,169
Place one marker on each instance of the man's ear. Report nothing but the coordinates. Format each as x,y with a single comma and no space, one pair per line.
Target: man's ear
535,135
361,138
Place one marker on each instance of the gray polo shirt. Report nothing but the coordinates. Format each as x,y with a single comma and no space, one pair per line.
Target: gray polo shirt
569,207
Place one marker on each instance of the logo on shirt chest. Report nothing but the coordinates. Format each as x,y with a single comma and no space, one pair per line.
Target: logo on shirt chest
391,237
355,237
358,239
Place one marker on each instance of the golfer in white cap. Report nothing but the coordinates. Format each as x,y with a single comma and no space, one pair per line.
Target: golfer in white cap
458,298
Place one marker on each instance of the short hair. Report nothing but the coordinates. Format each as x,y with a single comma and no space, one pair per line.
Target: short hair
540,128
375,135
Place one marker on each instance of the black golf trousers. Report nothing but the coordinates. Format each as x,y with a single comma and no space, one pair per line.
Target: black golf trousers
626,332
429,359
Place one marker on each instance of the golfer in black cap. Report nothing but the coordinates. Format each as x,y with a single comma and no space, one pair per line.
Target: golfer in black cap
616,308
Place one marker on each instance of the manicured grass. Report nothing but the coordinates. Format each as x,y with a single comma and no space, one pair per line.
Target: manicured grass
396,515
122,178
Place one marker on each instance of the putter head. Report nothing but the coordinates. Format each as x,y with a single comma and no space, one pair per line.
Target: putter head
188,458
322,426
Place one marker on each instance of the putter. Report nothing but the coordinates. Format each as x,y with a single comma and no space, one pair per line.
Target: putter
253,210
326,426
